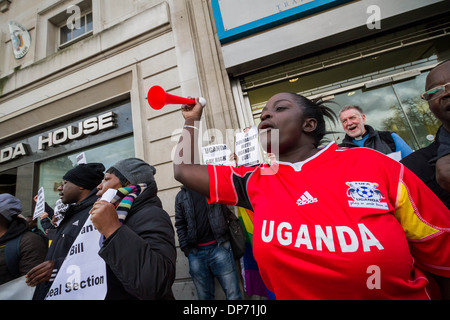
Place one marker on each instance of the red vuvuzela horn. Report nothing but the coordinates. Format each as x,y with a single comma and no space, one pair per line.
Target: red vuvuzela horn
158,98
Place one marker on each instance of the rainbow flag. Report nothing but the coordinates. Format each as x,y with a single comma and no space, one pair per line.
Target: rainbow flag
253,283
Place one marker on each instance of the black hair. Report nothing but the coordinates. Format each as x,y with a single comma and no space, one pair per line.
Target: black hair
317,110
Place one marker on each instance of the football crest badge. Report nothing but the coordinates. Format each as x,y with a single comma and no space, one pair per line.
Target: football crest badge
365,195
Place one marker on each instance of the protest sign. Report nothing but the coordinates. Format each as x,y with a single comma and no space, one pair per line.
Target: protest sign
59,210
218,154
16,289
40,204
81,158
247,147
82,275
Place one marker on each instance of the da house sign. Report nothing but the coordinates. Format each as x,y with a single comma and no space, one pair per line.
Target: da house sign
59,136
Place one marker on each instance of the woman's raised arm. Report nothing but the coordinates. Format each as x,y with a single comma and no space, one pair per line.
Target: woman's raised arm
186,162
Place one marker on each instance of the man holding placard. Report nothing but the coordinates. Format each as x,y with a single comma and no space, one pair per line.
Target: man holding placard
78,190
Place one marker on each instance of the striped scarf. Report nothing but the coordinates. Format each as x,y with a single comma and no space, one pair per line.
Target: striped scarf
123,200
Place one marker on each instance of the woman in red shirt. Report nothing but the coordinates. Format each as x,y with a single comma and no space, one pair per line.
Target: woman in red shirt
329,223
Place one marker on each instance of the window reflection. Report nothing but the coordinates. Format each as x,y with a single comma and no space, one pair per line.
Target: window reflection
395,107
384,79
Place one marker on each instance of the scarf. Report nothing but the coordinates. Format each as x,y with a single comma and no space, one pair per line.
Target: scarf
124,198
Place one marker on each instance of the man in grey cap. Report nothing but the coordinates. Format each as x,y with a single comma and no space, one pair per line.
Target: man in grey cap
137,230
20,249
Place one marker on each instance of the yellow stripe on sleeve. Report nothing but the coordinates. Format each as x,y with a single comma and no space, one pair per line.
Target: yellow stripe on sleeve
415,229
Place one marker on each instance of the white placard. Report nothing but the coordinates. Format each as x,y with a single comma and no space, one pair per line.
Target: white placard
247,147
109,195
16,289
82,275
81,158
40,204
59,210
218,154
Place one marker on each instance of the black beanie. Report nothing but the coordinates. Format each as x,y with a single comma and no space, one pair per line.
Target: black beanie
87,175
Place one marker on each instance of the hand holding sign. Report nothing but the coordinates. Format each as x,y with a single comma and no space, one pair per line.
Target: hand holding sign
104,215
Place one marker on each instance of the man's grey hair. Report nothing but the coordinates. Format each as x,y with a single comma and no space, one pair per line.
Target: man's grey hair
348,107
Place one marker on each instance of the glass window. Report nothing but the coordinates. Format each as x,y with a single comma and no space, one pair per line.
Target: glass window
67,34
77,32
422,121
51,171
89,23
394,107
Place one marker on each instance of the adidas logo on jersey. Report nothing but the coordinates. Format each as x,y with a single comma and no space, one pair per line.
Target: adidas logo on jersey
306,198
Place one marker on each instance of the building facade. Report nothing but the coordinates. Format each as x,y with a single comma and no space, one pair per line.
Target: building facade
68,89
74,77
375,54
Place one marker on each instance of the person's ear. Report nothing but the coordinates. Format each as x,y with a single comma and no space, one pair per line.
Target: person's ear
309,125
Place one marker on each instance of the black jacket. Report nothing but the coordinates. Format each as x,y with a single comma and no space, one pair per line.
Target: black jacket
423,164
66,233
30,252
185,221
381,141
140,256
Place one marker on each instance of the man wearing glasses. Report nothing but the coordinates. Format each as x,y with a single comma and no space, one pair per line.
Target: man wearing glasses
432,163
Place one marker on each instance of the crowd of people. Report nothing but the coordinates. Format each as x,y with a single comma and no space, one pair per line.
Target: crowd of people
333,222
138,242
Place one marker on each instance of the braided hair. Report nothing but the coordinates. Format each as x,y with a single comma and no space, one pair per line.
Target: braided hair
317,110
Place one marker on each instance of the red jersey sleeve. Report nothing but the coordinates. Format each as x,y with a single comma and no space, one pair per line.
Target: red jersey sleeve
228,185
426,222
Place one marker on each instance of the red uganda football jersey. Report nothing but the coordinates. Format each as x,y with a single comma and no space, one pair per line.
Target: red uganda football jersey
344,224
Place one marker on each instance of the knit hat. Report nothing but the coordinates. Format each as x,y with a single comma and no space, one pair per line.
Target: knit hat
87,175
10,206
134,171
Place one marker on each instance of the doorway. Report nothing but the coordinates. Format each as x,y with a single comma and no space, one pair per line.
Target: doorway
8,181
